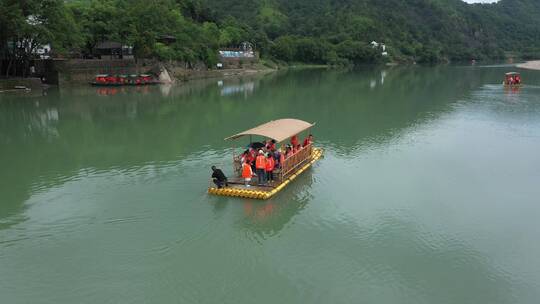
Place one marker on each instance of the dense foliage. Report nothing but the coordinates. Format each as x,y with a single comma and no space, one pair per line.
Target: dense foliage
309,31
419,30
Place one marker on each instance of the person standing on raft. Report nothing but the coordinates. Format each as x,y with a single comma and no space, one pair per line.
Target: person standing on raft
308,140
294,141
247,173
260,166
270,164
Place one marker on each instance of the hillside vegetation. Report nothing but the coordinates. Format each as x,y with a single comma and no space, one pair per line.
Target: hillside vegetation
309,31
421,30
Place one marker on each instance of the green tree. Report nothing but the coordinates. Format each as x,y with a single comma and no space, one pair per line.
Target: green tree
284,48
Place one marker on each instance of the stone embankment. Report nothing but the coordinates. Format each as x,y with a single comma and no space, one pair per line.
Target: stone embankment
84,71
20,85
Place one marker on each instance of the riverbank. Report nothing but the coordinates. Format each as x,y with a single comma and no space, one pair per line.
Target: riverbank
83,71
530,65
188,74
20,84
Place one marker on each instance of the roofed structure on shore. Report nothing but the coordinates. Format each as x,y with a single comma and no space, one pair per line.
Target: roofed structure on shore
166,39
113,50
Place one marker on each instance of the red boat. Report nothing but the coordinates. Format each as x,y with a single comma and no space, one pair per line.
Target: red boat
512,79
120,80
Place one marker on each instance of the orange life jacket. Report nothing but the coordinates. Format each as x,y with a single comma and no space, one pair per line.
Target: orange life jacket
260,162
294,141
246,171
270,163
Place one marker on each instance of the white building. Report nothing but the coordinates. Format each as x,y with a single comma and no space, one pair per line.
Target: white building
43,51
381,46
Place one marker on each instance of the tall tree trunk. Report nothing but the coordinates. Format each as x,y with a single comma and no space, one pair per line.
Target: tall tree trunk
9,67
25,66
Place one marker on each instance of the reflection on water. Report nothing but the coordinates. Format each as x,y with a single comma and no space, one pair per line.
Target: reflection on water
236,87
426,176
265,219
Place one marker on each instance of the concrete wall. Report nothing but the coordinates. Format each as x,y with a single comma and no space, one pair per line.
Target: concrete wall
81,71
84,70
238,62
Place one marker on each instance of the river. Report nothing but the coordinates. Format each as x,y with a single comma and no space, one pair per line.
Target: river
428,191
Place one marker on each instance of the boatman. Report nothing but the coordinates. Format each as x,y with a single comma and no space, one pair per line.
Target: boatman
260,166
219,178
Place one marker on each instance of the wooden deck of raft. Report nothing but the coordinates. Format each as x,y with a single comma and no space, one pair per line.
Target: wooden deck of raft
237,189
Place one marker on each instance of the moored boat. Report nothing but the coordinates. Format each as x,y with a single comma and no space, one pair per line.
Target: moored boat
122,80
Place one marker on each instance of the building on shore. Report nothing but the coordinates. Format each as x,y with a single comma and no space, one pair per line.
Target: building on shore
380,46
237,57
113,50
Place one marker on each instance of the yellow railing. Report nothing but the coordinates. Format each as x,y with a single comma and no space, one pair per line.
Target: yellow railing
292,163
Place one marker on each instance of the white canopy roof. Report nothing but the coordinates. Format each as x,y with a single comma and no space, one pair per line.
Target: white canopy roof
279,130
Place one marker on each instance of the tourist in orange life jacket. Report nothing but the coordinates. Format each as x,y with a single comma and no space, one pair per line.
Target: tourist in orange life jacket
270,164
517,79
247,173
294,141
260,166
308,140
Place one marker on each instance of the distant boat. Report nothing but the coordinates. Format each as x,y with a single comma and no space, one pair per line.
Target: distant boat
123,80
512,79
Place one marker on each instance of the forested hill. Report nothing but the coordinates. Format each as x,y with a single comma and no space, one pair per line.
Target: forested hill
310,31
426,30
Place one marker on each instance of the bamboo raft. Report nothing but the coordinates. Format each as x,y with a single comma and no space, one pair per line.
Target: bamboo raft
263,193
278,130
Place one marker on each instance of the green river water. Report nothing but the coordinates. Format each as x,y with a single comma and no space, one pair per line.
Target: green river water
429,192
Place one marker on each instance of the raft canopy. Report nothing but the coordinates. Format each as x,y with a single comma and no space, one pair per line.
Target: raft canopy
512,73
278,130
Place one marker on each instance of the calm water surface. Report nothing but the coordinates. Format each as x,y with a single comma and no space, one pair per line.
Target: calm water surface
428,192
